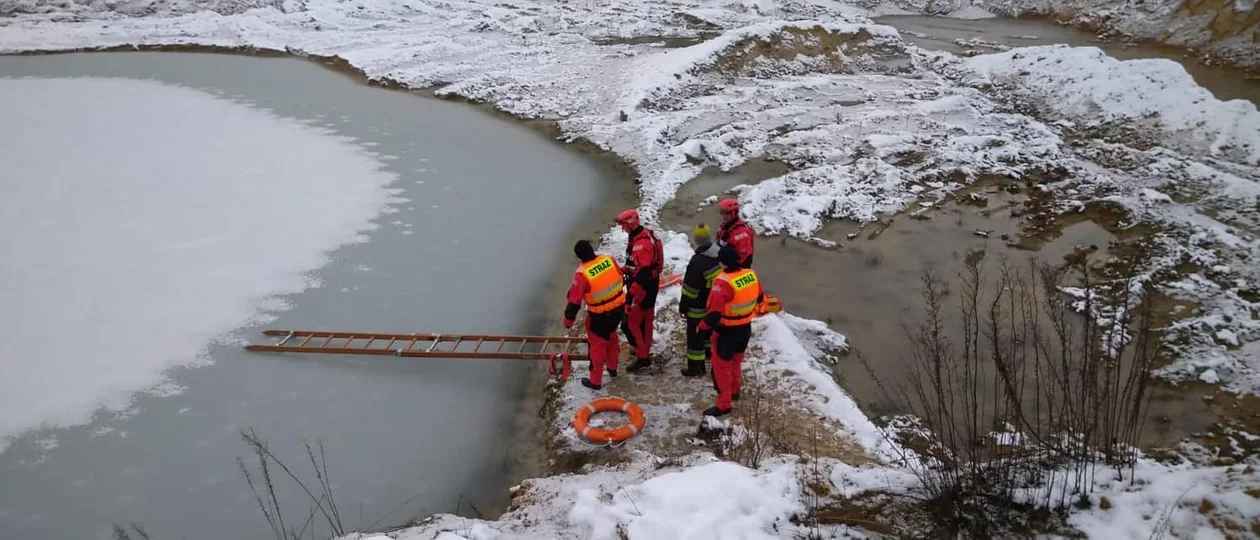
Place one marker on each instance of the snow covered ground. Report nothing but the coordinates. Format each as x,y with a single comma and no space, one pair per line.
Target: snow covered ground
867,123
153,224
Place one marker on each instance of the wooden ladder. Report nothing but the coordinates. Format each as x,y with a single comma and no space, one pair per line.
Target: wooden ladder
425,345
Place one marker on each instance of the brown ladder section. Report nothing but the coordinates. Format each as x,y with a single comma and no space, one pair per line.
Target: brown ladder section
425,345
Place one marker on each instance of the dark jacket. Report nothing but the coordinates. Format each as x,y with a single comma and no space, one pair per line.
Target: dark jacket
698,280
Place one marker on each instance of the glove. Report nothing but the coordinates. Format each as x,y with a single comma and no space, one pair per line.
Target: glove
568,323
703,328
637,292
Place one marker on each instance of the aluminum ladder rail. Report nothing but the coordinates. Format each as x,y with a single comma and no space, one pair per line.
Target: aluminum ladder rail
425,345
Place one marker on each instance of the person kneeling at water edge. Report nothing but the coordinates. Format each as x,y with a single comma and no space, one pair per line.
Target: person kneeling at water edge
732,307
597,282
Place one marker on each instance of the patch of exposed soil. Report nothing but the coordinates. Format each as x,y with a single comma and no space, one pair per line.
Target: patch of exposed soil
818,48
673,405
667,42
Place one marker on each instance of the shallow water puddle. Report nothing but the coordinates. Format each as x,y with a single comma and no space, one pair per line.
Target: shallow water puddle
869,286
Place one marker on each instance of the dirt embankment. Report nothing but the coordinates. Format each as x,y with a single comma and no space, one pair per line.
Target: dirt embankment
1220,31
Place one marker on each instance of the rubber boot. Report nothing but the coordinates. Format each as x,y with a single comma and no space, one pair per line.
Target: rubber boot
613,373
587,383
695,368
714,411
640,365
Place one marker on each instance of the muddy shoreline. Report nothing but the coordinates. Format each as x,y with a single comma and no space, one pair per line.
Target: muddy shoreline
1107,34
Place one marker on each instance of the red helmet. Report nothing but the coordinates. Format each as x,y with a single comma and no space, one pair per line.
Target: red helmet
729,205
629,219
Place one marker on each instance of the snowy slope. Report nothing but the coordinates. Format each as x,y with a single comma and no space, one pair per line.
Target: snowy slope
126,234
1089,87
867,123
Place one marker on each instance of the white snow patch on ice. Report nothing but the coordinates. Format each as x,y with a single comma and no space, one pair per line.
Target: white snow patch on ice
139,217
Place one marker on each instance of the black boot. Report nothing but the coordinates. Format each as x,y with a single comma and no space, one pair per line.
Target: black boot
639,365
735,397
695,368
714,411
587,383
612,373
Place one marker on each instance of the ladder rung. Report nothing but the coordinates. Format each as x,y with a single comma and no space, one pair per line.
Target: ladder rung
416,345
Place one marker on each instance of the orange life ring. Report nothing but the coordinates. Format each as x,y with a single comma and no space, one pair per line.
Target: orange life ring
582,420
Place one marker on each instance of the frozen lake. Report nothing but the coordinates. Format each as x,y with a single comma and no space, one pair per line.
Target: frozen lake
159,207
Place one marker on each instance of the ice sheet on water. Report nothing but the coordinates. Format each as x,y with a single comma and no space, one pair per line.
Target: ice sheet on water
121,232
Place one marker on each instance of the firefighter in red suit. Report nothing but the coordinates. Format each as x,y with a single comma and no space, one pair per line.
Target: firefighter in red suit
734,232
732,306
597,283
645,258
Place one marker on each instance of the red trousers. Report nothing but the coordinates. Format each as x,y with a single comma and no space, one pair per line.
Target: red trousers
727,372
639,325
602,342
729,344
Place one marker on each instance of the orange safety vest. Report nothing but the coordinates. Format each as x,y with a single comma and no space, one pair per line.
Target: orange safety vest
607,292
742,309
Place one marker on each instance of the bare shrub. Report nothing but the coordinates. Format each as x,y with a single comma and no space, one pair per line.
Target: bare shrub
263,487
758,429
125,533
1045,384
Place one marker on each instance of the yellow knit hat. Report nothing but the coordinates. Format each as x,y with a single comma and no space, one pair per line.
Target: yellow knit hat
701,232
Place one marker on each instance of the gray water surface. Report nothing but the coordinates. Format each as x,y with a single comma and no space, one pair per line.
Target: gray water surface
492,210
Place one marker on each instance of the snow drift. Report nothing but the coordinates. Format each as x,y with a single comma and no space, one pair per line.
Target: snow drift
1085,85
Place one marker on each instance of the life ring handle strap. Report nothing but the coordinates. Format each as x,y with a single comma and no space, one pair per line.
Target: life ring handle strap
562,371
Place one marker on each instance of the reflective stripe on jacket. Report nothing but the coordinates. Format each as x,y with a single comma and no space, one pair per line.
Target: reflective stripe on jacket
742,307
698,281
